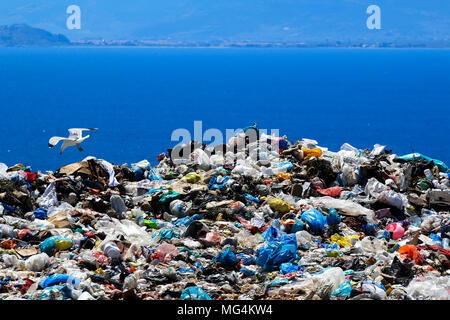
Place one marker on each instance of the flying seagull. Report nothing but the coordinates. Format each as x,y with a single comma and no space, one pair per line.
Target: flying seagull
74,139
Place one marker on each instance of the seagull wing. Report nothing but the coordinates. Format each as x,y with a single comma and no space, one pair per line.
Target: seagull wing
54,141
67,143
77,133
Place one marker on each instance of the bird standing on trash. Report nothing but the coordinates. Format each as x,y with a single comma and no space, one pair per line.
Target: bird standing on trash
74,139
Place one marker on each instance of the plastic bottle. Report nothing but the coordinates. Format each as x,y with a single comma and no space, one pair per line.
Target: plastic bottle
428,174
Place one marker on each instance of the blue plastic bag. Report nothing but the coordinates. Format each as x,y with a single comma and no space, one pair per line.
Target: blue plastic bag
246,259
138,173
185,270
194,293
279,282
414,156
226,257
214,185
271,233
58,278
186,221
166,234
370,229
435,237
289,267
315,220
296,227
40,213
385,235
344,290
247,272
153,176
251,198
48,245
333,218
274,253
287,164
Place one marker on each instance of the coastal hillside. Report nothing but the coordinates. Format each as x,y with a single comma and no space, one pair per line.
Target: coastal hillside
309,21
24,35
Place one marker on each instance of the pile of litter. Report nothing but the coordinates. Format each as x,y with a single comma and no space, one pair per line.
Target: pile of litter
280,220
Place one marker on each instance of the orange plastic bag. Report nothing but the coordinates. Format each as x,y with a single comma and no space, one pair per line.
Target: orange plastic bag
412,253
283,176
309,153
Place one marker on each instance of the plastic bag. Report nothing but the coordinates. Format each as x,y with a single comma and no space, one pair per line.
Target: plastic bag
110,169
58,278
273,254
118,204
279,205
192,177
3,173
432,287
412,253
415,156
37,262
343,241
315,220
169,197
55,243
179,208
200,158
333,219
218,182
397,230
375,288
49,198
289,267
226,257
332,192
309,153
349,207
166,251
344,291
194,293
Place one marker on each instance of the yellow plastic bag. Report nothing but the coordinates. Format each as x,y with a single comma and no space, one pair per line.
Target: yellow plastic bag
62,244
279,205
343,241
192,177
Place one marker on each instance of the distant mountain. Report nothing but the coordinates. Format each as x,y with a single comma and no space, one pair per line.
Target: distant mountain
24,35
410,21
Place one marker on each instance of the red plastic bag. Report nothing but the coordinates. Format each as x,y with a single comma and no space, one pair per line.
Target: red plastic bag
332,192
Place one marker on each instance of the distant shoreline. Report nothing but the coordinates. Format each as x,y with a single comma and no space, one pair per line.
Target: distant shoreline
223,47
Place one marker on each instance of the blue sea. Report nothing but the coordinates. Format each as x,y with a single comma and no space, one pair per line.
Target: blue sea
138,96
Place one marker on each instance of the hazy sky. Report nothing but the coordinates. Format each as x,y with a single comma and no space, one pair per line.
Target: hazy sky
261,20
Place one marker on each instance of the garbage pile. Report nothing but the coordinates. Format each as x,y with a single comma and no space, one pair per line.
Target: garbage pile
280,220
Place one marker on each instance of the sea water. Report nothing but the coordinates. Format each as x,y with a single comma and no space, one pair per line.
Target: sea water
137,97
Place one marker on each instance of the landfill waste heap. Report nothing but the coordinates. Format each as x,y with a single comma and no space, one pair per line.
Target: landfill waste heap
282,220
